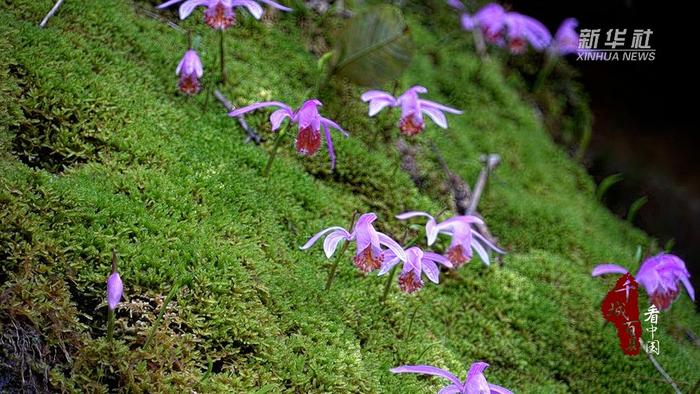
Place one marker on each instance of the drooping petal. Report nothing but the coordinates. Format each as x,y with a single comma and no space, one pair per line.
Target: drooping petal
438,258
390,261
275,5
436,115
495,389
332,124
431,270
187,7
688,287
329,145
168,4
480,250
412,214
377,105
433,104
392,245
451,389
376,94
488,243
278,116
252,107
427,370
332,240
604,269
318,235
253,7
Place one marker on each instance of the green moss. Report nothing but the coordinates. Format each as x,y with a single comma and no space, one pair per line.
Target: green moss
170,184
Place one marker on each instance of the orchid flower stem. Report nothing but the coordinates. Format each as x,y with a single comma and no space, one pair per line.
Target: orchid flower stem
659,368
387,286
413,315
550,62
489,163
275,149
110,325
223,61
334,267
156,324
50,14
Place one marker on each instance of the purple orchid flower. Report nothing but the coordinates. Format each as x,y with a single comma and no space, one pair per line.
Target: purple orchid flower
566,38
416,263
660,275
522,29
464,238
412,108
490,19
475,382
115,288
369,255
190,70
220,14
308,139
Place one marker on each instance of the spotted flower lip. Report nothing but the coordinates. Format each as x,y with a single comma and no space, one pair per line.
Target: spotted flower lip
307,118
115,289
660,275
369,255
190,70
417,262
464,238
412,108
566,38
220,13
474,383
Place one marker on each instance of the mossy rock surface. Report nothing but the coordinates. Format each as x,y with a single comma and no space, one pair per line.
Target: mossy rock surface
98,151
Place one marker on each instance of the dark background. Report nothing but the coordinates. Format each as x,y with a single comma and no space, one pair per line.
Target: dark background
645,116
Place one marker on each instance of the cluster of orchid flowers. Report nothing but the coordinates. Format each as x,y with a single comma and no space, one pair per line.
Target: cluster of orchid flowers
378,251
515,30
219,15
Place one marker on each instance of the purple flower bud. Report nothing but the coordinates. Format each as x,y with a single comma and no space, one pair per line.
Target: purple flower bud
190,70
115,289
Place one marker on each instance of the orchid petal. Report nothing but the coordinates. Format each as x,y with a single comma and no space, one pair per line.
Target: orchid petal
332,240
433,104
431,270
392,245
168,4
187,7
427,370
604,269
318,235
495,389
377,105
376,94
278,116
438,258
480,250
253,7
389,264
329,144
688,287
411,214
326,121
488,243
252,107
275,5
436,115
451,389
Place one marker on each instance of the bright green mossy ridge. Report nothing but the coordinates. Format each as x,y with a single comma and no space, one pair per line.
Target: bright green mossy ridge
174,189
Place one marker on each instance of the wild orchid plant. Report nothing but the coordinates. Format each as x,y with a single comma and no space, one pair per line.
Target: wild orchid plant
474,383
660,275
565,42
190,71
309,122
412,108
115,289
464,237
370,253
220,15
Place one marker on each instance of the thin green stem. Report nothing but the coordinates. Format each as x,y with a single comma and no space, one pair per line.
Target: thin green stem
387,285
223,61
550,62
275,149
110,325
155,325
413,315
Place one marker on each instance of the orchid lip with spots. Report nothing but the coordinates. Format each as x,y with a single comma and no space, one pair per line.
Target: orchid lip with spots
309,121
464,238
370,254
417,262
190,71
220,14
660,275
412,108
474,383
